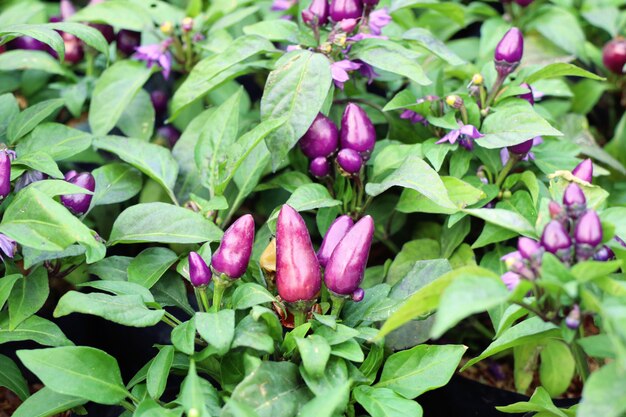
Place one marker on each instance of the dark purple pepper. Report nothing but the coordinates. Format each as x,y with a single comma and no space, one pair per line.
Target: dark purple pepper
159,100
528,248
588,229
27,43
320,167
333,236
357,131
318,9
371,2
199,272
584,170
28,178
345,9
127,41
321,139
233,255
106,31
346,267
74,51
555,238
298,276
604,254
509,52
614,55
556,211
349,161
5,174
524,3
79,203
169,133
529,97
572,321
521,148
574,200
55,19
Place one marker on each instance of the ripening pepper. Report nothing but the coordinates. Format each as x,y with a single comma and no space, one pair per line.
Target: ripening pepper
584,170
320,139
199,272
233,254
79,203
5,174
316,14
509,51
572,321
349,161
528,248
357,131
555,238
320,167
614,55
345,9
588,233
574,200
335,233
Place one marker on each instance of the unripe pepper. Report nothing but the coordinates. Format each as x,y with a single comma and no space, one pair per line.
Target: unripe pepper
321,138
233,254
199,272
509,51
79,203
357,131
335,233
584,170
345,9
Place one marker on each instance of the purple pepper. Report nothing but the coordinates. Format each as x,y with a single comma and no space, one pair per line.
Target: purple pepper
574,200
27,43
106,31
572,321
318,9
5,174
521,148
67,9
349,161
529,97
127,41
604,254
321,139
509,52
169,133
70,174
79,203
357,131
28,178
320,167
584,170
233,255
614,55
524,3
345,9
555,238
159,100
298,276
199,272
74,51
528,248
335,233
511,280
588,229
346,267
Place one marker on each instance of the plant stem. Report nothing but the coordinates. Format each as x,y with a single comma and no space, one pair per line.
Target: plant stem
338,303
494,90
581,361
128,406
218,293
535,311
513,158
299,317
172,318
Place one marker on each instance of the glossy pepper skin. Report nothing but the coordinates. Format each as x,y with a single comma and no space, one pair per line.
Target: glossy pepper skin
321,139
357,131
233,255
320,167
349,161
614,55
345,9
317,10
27,43
588,229
335,233
5,174
584,170
521,148
509,52
127,41
574,200
199,272
555,238
298,276
528,248
346,267
79,203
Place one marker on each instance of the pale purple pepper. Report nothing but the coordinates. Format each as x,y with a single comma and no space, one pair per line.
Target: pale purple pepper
321,139
333,236
5,174
70,174
357,131
199,272
574,200
511,280
584,170
509,52
345,9
79,203
346,267
320,167
233,255
528,248
350,161
588,229
572,321
604,254
298,276
317,9
555,238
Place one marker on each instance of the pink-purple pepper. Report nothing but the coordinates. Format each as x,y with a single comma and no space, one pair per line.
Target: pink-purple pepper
357,131
79,203
233,255
345,9
349,161
199,272
574,200
333,236
509,51
614,55
584,170
555,238
321,139
5,174
588,234
317,13
320,167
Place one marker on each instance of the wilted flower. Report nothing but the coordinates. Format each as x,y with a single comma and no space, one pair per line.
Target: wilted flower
413,117
378,19
339,71
281,5
7,246
156,53
465,134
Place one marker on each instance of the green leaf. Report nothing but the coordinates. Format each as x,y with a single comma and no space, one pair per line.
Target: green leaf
315,352
383,402
159,371
604,393
40,161
6,285
275,30
128,310
561,27
40,32
112,268
460,193
46,403
33,328
59,141
192,394
328,405
506,219
253,333
113,92
218,329
170,291
296,89
273,389
350,350
308,197
392,57
115,183
153,160
150,265
249,295
423,368
119,13
87,34
557,367
30,60
31,117
150,408
184,336
214,70
529,330
9,109
11,378
121,288
540,402
453,11
427,40
137,120
83,372
465,296
28,295
161,222
560,69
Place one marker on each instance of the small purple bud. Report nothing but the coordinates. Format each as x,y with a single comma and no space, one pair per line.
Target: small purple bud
199,272
521,148
574,200
529,97
555,238
79,203
333,236
320,167
588,229
318,9
370,2
187,24
5,174
528,248
614,55
321,139
511,280
127,41
233,255
604,254
159,100
556,211
524,3
572,321
509,52
27,43
357,131
298,276
584,170
358,295
349,161
346,267
169,133
345,9
348,25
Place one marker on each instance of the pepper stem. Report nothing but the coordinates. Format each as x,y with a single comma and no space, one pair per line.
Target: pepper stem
513,158
494,90
299,317
202,298
338,303
218,293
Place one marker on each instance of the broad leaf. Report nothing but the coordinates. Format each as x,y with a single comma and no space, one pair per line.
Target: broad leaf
383,402
46,403
11,378
150,265
31,117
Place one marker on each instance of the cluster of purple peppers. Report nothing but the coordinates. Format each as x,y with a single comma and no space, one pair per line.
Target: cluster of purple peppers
356,141
573,235
319,11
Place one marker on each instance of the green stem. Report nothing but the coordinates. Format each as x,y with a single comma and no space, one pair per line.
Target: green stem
494,91
188,47
513,158
581,361
202,298
218,293
464,115
172,318
167,321
128,406
299,317
338,303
